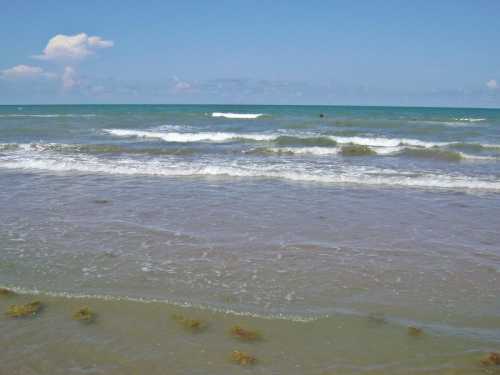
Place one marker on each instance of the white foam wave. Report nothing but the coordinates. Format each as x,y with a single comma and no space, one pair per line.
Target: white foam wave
313,150
387,142
324,151
237,115
224,137
476,157
470,119
304,318
320,151
185,304
343,174
189,137
389,150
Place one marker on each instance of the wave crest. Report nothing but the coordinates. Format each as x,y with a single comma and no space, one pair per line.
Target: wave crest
237,115
343,174
189,137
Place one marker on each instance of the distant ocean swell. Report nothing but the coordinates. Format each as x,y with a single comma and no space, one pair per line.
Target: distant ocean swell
50,115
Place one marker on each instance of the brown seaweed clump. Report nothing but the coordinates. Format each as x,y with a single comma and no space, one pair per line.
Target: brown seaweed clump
415,331
245,334
492,359
243,359
4,292
190,324
84,315
20,311
356,150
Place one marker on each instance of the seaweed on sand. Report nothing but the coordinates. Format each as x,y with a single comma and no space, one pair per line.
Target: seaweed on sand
195,325
492,359
242,358
245,334
84,315
415,331
29,309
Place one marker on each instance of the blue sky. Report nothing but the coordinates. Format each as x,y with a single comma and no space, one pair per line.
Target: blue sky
436,53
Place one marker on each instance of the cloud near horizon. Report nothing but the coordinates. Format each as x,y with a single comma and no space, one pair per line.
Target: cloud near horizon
73,47
492,84
68,78
25,71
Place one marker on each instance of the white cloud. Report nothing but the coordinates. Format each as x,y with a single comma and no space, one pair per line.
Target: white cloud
73,47
492,84
68,78
98,42
183,86
23,71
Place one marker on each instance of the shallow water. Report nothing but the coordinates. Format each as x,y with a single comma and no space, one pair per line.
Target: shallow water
145,211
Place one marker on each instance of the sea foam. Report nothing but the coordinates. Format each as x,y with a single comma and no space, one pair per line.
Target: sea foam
237,115
354,175
188,137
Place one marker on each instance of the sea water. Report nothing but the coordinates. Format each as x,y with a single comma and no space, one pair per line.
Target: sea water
329,230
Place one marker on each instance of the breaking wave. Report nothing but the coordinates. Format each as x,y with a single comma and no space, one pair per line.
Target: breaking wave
95,149
356,175
432,153
282,139
387,142
470,119
237,115
189,137
288,145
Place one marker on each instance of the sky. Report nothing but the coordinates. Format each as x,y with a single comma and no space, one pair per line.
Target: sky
366,52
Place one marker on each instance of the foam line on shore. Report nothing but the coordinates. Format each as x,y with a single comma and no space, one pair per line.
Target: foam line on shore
350,175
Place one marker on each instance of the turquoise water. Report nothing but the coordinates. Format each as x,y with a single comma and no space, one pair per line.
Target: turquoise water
420,147
331,229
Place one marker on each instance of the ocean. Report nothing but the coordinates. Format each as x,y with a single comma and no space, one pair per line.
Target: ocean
351,239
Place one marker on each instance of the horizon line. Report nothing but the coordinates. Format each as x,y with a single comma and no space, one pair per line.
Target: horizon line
247,104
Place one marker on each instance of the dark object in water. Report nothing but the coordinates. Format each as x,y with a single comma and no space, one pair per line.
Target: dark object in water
321,115
356,150
190,324
29,309
492,359
243,359
6,292
101,201
415,331
84,315
245,334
